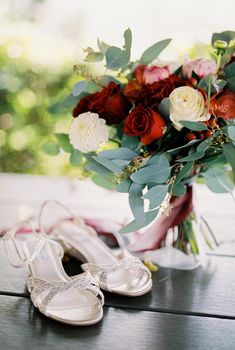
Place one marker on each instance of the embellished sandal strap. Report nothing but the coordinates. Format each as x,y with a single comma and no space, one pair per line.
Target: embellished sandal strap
36,286
102,271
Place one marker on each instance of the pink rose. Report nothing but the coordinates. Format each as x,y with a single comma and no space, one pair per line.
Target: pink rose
201,66
154,74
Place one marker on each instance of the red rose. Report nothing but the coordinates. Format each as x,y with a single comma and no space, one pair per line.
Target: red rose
151,95
110,103
223,104
144,122
139,74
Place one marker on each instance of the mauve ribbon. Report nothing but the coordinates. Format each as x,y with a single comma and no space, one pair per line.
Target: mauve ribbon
155,234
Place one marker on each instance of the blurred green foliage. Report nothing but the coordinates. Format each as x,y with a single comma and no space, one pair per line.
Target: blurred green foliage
31,110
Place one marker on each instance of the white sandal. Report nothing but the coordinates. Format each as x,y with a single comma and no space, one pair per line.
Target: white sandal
122,274
75,301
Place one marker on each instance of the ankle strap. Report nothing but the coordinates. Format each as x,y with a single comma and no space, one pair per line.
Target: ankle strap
42,209
42,239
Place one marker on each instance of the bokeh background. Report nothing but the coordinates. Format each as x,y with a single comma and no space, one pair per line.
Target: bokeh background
41,40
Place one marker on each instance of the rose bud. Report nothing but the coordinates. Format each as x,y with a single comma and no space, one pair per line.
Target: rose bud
146,123
190,137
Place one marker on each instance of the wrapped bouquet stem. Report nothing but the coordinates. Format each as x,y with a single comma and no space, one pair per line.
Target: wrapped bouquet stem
147,129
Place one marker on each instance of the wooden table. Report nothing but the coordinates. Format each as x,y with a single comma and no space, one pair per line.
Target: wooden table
185,309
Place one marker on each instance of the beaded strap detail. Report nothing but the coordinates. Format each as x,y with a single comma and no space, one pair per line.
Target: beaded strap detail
37,286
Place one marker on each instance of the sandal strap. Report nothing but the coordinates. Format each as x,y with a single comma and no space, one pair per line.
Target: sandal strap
9,237
36,286
102,271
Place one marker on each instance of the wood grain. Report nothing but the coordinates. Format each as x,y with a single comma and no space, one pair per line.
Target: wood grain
23,327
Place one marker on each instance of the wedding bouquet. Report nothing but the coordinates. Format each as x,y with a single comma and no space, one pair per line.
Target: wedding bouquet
151,129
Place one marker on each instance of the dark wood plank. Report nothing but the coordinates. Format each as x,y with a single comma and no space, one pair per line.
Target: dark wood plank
23,327
206,291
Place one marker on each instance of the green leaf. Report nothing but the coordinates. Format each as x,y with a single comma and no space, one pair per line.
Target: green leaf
179,189
204,144
136,203
85,86
119,153
194,156
50,148
107,164
195,126
159,159
229,70
151,173
79,87
75,158
130,142
97,168
103,47
116,57
134,226
124,186
94,56
164,107
154,51
229,151
231,84
156,195
231,132
128,40
218,181
64,143
184,172
104,181
189,144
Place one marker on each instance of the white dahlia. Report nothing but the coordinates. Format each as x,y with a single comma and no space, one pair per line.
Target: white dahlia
87,132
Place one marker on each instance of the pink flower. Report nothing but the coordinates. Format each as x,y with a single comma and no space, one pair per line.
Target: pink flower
201,66
154,74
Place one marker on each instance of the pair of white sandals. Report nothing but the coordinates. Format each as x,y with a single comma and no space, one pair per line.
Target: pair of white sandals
75,300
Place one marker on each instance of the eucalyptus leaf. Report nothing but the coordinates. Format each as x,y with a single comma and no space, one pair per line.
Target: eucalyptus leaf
159,159
118,153
124,186
151,173
204,145
231,84
194,156
229,70
156,195
97,168
50,148
218,181
134,226
136,202
130,142
184,172
179,189
189,144
107,164
229,151
63,141
79,87
104,181
75,158
154,51
195,126
231,132
102,46
164,108
94,56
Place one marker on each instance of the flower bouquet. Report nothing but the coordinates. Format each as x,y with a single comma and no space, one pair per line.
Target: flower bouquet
151,130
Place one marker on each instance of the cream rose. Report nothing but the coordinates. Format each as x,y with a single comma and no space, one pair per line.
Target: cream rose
188,104
87,132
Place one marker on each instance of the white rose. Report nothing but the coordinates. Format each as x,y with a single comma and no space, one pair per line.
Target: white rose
87,132
187,104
